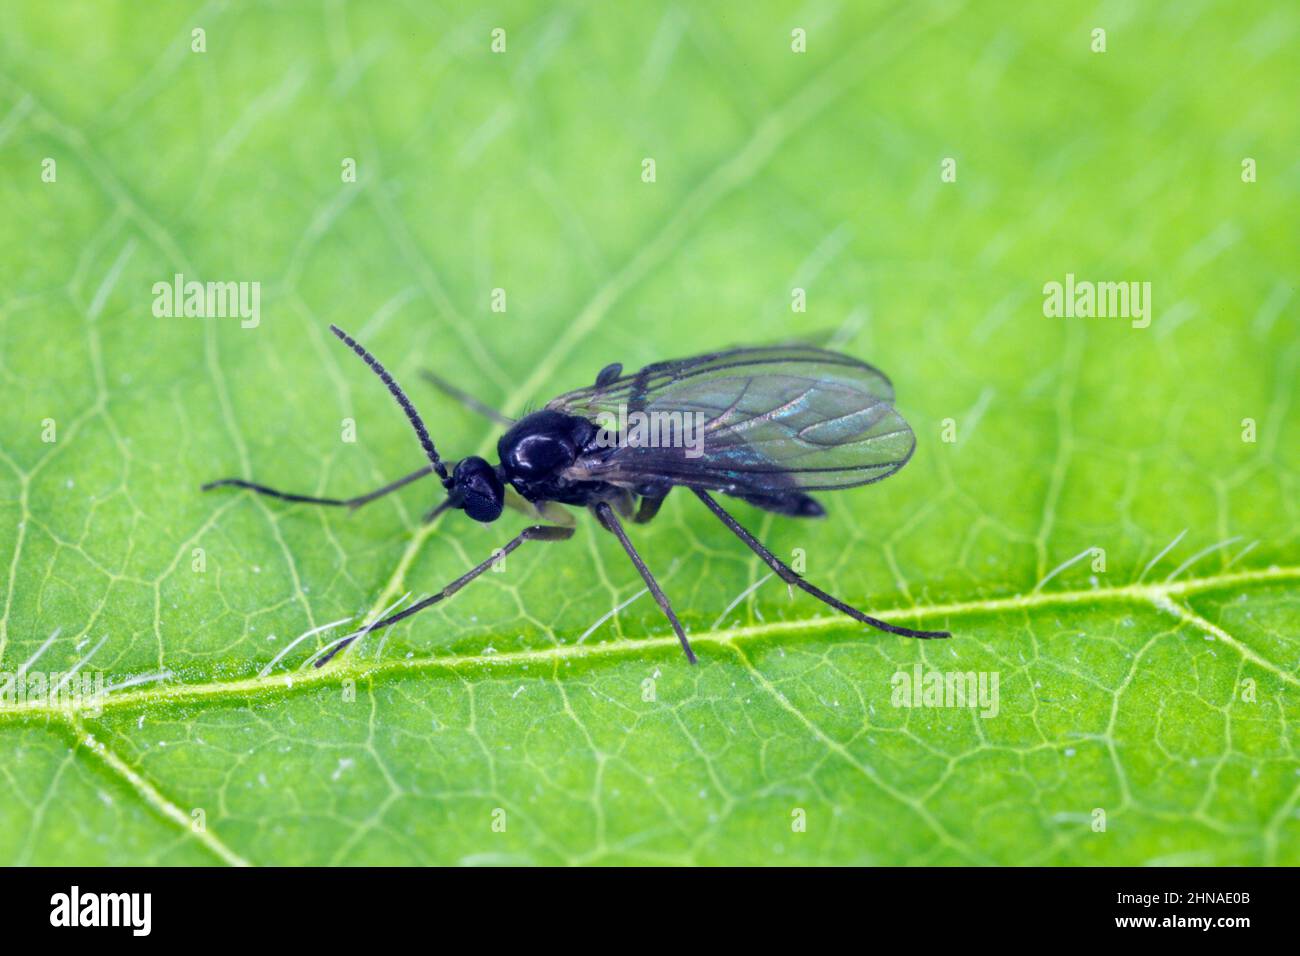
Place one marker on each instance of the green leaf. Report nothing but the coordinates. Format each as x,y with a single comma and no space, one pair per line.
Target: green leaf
1148,687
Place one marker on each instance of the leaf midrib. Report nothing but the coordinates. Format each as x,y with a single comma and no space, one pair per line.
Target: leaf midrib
1158,596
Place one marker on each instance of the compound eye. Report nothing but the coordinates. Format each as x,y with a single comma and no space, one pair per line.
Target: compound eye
538,455
480,489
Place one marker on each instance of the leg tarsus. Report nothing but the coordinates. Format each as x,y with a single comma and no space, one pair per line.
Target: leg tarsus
356,502
465,398
790,577
533,533
610,520
270,492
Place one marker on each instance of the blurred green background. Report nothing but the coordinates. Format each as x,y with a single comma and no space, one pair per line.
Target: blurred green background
1168,706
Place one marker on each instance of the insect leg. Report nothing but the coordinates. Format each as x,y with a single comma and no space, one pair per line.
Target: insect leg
610,520
648,508
465,398
432,513
790,577
356,502
534,533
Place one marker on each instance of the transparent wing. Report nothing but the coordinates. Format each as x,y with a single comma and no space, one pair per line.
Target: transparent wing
746,421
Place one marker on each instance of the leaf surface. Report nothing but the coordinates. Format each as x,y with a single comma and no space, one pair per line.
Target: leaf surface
1148,687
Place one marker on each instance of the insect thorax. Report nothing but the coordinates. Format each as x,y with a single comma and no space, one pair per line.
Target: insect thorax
537,450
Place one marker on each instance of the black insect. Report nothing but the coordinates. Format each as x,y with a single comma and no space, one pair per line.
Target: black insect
766,425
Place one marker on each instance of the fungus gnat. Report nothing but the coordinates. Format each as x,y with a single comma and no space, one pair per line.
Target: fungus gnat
772,423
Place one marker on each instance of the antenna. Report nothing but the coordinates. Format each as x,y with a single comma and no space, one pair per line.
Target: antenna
421,432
